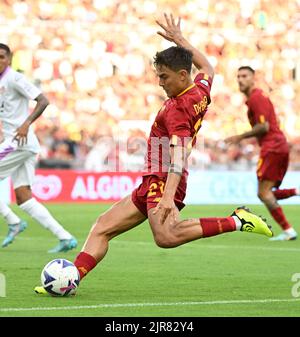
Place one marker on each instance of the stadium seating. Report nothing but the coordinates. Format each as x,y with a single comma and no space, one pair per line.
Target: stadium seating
94,61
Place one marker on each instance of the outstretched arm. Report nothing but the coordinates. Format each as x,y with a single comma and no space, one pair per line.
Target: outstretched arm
257,130
172,32
22,131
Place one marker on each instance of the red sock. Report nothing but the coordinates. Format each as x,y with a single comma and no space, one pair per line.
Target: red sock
84,263
279,217
215,226
284,194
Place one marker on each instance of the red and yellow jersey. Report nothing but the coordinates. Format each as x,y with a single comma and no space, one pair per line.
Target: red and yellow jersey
177,123
260,110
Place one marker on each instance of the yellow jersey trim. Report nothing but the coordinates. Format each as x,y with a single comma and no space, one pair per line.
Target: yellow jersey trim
187,89
262,118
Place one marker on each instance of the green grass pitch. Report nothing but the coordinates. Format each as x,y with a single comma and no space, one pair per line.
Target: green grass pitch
235,274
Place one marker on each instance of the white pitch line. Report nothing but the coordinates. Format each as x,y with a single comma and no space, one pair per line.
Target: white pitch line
214,246
163,304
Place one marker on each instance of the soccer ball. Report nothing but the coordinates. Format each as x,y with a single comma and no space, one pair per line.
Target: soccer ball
60,277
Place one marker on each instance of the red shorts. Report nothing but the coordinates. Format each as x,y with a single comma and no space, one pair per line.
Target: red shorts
272,166
148,194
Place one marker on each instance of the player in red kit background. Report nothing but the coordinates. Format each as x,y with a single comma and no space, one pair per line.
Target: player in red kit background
161,193
274,154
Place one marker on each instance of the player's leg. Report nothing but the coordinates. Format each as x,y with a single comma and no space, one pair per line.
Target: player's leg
182,231
22,181
41,214
9,162
282,166
15,224
121,217
270,173
168,236
285,193
267,196
9,216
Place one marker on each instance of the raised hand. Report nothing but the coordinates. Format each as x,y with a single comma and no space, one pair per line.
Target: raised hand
21,134
172,31
166,207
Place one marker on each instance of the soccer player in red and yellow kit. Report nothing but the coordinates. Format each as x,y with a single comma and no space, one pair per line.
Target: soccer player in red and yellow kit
161,193
274,154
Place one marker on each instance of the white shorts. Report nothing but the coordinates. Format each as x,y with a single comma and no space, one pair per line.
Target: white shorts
20,166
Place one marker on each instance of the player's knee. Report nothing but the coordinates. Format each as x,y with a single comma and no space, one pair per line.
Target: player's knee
164,240
21,198
268,199
262,195
99,227
103,227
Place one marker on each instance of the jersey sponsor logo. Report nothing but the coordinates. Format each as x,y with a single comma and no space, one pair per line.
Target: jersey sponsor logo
204,82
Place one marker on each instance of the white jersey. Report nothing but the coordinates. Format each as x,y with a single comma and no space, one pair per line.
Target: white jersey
15,93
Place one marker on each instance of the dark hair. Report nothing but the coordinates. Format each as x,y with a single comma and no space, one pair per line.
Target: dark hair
174,58
247,68
6,48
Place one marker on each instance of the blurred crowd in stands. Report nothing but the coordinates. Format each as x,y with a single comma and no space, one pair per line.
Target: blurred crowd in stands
93,59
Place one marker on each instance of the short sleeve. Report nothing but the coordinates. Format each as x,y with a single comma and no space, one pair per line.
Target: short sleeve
204,81
24,87
178,125
260,107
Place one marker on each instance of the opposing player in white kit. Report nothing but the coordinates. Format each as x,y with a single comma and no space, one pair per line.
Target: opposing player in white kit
18,152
